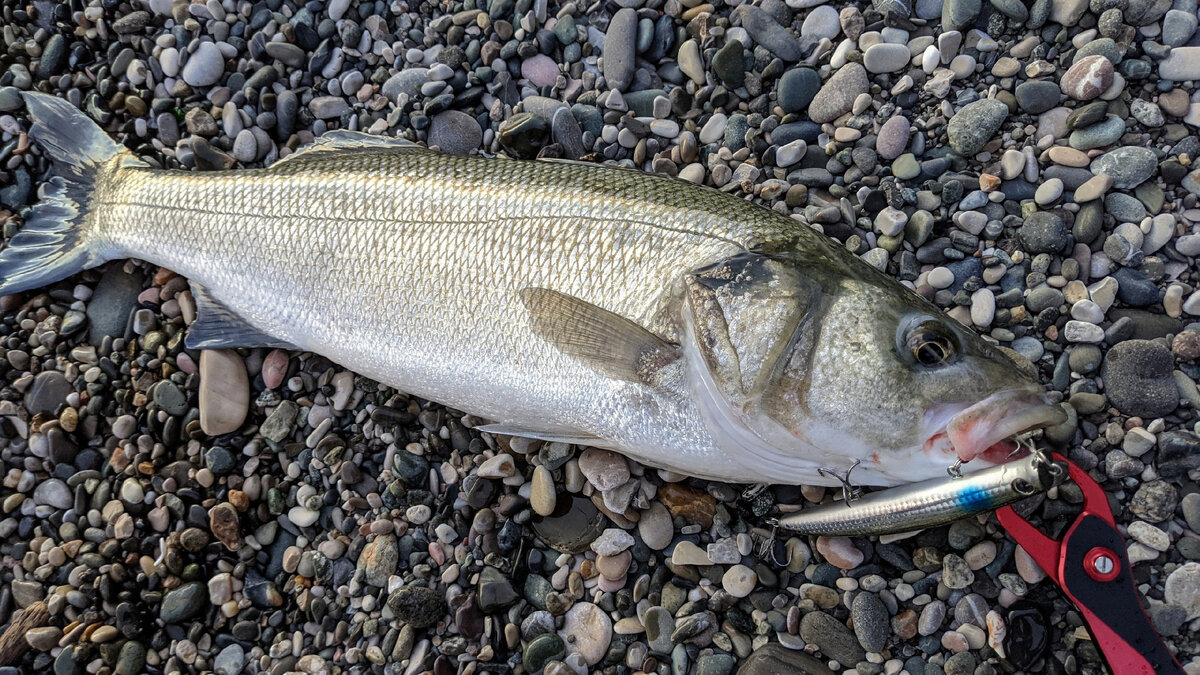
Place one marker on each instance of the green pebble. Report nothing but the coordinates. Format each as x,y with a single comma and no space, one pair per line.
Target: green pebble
906,167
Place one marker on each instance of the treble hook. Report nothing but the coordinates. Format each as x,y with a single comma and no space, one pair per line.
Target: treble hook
766,545
850,491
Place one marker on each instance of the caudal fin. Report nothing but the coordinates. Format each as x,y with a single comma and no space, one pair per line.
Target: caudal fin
53,244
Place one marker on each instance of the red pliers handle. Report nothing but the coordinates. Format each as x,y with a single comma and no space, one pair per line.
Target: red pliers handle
1090,565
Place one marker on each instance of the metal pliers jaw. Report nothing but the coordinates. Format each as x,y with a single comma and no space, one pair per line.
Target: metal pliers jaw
1090,565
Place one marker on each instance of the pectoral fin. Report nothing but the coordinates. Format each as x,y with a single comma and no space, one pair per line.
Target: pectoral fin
608,343
218,327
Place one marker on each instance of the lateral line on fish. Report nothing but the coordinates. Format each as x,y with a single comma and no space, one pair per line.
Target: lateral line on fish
424,222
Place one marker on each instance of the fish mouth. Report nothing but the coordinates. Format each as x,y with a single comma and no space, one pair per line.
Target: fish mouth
986,429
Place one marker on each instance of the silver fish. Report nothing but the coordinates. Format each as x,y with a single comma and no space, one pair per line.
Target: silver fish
929,503
679,325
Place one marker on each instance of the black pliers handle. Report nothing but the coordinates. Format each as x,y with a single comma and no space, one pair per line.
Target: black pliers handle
1090,565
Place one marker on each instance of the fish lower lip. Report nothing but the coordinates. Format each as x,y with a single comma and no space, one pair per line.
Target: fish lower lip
982,428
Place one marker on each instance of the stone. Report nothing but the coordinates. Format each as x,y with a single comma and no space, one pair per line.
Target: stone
773,658
871,621
1087,78
739,581
455,132
53,492
224,395
796,88
973,126
542,494
612,541
378,560
840,552
832,638
893,137
1154,501
619,48
885,57
959,14
1182,588
223,523
1044,232
1129,166
205,66
540,70
587,631
495,591
729,65
1138,378
183,603
765,31
654,526
48,392
418,606
604,469
1037,96
836,97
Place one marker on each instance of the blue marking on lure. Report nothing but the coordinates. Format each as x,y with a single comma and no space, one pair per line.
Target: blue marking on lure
974,498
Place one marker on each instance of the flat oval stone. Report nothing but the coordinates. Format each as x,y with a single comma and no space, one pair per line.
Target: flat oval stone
224,391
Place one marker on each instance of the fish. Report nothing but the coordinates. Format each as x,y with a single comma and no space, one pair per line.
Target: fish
927,504
683,327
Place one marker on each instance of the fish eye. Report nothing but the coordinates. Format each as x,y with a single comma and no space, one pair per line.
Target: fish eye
928,342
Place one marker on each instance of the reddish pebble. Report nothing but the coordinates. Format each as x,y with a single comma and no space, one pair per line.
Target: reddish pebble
274,368
540,70
185,363
840,552
1088,78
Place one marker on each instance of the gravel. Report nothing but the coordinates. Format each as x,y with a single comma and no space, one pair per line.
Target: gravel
1026,167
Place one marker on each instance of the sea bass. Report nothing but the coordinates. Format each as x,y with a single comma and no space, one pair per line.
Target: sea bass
681,326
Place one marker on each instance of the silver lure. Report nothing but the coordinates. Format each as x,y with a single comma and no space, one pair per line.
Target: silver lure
929,503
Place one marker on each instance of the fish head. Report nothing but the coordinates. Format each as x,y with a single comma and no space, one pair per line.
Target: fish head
803,364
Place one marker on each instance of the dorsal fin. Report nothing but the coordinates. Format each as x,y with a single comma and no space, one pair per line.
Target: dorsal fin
342,140
218,327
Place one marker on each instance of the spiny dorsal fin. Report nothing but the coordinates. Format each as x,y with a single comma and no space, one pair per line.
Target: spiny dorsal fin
608,343
218,327
342,140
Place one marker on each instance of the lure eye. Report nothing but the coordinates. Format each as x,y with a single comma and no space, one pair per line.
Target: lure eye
930,344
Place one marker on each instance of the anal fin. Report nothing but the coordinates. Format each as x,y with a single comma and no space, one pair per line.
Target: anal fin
606,342
218,327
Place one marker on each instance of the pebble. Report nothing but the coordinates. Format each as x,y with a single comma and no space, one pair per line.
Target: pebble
586,631
837,95
619,47
1138,380
973,126
224,396
797,87
739,581
204,67
455,132
1128,166
1087,78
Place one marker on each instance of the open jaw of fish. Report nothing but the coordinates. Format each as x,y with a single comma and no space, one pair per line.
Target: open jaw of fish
986,430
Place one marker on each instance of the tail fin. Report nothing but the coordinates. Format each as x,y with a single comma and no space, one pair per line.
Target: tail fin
51,245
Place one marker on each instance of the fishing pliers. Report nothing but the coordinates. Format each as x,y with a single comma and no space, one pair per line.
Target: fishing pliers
1090,565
